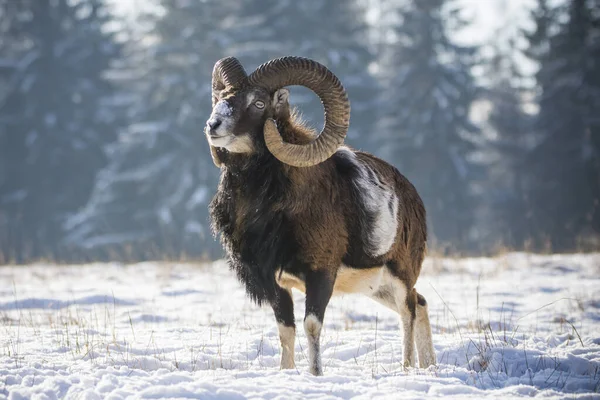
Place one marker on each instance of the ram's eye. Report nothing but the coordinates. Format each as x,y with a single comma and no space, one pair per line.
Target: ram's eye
259,104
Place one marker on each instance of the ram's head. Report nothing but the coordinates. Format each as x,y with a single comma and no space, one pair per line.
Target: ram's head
245,109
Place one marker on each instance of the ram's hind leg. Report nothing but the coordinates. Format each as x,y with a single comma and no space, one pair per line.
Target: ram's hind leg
283,307
393,294
423,334
406,303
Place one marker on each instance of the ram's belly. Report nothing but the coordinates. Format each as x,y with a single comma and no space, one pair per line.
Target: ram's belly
349,280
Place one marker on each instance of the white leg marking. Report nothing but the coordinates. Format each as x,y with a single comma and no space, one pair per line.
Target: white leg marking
408,352
392,294
423,337
312,327
408,323
287,336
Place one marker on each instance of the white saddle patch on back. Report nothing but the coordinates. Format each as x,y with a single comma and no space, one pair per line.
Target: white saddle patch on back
380,200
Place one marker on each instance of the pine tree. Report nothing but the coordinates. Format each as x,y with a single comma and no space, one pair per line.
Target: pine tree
152,199
426,128
566,161
509,148
55,117
592,134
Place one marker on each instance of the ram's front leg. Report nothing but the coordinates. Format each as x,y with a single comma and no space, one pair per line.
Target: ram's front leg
319,287
283,307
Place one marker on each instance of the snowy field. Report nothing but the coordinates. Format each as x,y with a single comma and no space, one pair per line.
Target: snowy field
515,326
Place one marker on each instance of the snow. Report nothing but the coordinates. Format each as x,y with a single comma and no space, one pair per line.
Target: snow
222,108
514,326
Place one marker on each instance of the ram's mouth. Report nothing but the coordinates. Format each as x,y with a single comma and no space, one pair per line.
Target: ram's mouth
222,130
220,140
232,143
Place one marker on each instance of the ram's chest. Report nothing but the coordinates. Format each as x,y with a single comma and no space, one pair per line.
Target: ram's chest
251,217
243,215
260,232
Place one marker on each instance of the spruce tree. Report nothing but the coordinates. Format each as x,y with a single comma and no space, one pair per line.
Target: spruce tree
425,128
507,151
151,201
55,117
566,158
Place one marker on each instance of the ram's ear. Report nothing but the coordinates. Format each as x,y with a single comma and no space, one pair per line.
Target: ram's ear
218,155
280,103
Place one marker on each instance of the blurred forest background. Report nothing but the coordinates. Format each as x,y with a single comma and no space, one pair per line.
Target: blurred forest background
102,153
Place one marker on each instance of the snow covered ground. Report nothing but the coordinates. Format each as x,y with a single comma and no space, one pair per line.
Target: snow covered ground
514,326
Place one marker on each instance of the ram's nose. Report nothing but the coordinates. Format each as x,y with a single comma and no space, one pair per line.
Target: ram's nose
213,123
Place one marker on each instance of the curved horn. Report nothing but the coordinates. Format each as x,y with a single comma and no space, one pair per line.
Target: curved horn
287,71
227,71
